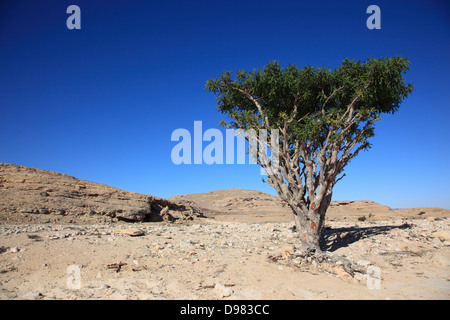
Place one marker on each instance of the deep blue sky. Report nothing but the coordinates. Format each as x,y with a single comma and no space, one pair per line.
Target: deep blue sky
101,103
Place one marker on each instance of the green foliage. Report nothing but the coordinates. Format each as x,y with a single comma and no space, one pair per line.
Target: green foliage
317,98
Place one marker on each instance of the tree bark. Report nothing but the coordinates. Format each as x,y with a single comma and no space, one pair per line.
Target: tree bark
309,223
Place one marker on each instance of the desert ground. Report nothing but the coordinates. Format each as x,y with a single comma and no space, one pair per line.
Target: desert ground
64,238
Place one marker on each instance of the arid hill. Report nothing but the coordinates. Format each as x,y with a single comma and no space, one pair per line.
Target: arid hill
255,206
27,192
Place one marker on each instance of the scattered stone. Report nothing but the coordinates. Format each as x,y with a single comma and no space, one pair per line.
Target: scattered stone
442,260
287,252
117,266
187,243
133,214
35,295
165,215
363,263
360,277
34,237
130,232
222,291
442,235
341,272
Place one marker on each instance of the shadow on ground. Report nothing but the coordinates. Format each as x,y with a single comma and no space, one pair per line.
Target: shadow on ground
335,238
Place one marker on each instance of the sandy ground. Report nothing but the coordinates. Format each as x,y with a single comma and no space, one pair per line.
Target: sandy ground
221,259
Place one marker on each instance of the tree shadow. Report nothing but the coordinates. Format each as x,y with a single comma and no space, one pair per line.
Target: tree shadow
333,239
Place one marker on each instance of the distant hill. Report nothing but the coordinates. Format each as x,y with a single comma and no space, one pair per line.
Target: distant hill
27,191
247,205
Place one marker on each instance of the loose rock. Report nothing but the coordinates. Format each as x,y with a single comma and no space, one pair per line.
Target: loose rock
130,232
442,235
222,291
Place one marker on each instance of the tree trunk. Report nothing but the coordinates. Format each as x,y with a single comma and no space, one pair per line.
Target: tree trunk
309,232
309,224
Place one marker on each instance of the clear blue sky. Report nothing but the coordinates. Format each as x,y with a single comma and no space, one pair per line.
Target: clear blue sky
101,103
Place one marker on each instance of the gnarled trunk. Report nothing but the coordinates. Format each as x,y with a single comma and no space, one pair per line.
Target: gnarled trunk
309,224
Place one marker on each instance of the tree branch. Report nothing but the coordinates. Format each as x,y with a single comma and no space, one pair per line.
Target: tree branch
255,101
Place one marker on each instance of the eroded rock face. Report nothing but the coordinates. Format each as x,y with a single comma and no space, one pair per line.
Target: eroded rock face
25,190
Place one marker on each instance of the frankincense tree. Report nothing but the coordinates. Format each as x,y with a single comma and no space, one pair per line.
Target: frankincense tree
324,117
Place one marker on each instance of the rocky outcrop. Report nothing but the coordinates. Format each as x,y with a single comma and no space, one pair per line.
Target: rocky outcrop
25,190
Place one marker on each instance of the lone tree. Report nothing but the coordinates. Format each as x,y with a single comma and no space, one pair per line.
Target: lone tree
324,119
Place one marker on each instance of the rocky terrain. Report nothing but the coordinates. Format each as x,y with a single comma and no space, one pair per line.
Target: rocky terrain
64,238
398,260
28,194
